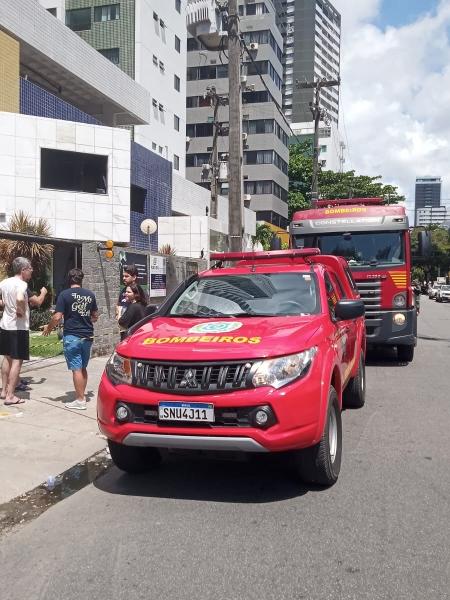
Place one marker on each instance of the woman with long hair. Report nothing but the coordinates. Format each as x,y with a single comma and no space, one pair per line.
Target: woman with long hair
136,303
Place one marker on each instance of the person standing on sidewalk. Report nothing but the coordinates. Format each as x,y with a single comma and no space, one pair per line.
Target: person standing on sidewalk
15,326
78,306
129,276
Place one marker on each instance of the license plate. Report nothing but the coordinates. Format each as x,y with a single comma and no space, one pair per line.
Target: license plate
186,411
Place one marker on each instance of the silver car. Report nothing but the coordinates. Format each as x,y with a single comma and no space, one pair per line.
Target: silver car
432,292
443,294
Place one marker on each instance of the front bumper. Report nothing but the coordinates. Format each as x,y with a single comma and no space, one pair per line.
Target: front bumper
297,408
381,329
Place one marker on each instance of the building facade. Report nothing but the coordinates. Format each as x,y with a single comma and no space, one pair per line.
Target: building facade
147,40
432,215
427,193
265,132
331,147
312,39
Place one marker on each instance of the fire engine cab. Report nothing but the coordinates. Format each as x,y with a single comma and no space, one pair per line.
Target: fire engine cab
258,354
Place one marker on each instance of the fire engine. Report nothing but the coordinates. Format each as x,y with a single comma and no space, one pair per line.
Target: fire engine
375,240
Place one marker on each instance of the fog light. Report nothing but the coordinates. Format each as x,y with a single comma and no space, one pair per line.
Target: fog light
122,413
399,319
261,418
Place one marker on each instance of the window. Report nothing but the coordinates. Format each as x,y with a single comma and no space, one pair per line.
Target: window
74,171
258,126
137,198
332,297
111,54
154,146
155,60
160,149
155,17
197,160
178,5
155,103
176,82
161,107
110,12
176,123
78,19
176,162
162,68
177,44
162,24
52,11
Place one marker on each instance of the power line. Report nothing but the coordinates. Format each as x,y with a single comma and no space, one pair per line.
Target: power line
341,104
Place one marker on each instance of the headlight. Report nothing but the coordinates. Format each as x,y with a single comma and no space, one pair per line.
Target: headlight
399,300
277,372
118,369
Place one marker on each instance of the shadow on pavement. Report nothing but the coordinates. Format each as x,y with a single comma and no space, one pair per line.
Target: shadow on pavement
69,397
258,480
383,357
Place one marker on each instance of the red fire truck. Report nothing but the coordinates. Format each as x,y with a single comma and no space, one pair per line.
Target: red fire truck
374,238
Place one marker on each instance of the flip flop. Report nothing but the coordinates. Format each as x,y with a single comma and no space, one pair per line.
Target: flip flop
15,401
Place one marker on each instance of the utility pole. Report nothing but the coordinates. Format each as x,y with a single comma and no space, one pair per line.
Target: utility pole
216,101
235,134
319,114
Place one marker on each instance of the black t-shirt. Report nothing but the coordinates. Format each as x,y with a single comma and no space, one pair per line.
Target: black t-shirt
134,313
77,304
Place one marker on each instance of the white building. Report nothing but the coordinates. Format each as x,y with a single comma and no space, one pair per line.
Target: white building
432,215
332,148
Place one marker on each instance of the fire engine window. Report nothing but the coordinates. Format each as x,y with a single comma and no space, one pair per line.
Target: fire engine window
74,171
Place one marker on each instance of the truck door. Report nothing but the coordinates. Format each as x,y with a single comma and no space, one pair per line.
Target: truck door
351,331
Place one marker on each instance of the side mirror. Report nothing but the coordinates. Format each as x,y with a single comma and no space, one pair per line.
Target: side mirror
349,309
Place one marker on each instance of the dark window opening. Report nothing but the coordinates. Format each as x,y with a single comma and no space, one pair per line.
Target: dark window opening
137,199
110,12
78,19
52,11
111,54
74,171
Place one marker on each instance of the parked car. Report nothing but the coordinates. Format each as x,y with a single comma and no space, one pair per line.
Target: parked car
443,294
257,357
432,292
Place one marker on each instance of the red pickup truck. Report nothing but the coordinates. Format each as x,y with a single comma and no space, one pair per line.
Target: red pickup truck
258,354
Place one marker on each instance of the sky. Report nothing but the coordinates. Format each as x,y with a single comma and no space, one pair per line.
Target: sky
395,90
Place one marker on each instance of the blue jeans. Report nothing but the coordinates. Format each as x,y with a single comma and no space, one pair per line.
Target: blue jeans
77,352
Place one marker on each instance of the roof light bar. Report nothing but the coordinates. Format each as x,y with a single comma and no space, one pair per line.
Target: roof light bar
347,201
264,255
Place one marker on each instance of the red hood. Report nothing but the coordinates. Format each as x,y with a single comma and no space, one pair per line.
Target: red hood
171,338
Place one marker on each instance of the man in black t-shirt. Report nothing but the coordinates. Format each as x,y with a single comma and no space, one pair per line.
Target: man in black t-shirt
78,306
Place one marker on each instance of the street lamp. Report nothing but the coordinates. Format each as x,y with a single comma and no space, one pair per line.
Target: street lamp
148,227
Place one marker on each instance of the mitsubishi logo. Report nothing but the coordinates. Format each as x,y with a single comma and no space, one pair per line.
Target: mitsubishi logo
189,379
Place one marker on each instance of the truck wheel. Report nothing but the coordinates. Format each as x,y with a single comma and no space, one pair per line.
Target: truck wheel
405,353
355,393
133,459
321,463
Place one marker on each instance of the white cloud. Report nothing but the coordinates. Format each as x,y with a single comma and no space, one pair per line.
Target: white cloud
396,94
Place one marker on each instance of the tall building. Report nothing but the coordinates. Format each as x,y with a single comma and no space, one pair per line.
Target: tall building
312,39
147,40
428,192
432,215
265,154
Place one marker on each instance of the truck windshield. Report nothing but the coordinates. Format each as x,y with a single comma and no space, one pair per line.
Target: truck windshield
361,248
253,294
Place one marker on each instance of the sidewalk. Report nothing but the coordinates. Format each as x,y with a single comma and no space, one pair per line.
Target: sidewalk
42,437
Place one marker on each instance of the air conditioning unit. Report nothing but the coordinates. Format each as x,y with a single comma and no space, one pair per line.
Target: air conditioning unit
188,139
247,197
206,166
243,78
253,46
244,137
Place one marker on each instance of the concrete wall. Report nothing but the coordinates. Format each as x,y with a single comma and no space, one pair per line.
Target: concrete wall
102,277
71,215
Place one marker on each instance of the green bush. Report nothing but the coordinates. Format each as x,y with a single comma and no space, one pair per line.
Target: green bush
38,318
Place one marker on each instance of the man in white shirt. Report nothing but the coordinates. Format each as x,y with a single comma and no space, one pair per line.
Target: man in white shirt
15,325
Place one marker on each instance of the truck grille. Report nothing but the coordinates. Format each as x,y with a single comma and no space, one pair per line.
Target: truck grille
192,378
370,292
223,417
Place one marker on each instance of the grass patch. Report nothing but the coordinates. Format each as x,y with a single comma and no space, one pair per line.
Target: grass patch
45,346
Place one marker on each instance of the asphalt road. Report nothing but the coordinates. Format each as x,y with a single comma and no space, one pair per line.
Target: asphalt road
228,530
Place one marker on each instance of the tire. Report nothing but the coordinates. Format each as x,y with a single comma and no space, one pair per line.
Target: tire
321,463
405,353
355,393
133,459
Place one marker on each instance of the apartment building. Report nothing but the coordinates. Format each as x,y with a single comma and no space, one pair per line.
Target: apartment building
266,134
147,40
312,39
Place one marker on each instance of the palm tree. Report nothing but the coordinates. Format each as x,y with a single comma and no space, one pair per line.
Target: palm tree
167,249
39,254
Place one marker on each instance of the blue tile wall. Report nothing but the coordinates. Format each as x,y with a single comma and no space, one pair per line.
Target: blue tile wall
153,173
38,102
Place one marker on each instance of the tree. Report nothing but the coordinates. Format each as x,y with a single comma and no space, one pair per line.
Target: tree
38,253
438,261
331,184
263,235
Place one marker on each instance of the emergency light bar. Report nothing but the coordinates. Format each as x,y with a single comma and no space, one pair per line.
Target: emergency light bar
347,201
264,255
